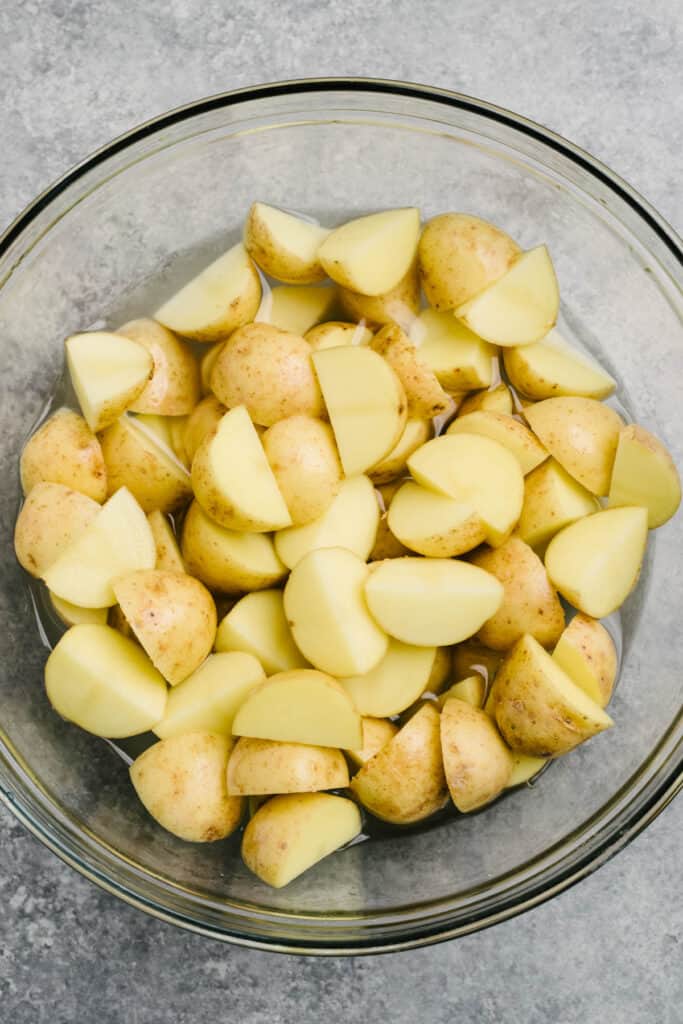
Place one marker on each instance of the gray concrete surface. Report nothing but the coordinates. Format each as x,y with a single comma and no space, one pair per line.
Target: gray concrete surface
606,75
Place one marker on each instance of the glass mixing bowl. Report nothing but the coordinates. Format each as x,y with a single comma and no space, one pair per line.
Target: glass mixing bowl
133,220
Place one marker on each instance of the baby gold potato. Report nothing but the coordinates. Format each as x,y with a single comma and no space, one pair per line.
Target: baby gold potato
206,365
376,733
258,767
471,690
476,761
173,389
508,431
426,397
372,254
460,359
168,552
495,399
108,372
399,305
298,309
303,457
587,654
552,500
203,419
65,451
51,519
415,433
551,368
149,470
394,683
283,245
257,624
209,698
73,615
524,768
644,474
337,332
433,524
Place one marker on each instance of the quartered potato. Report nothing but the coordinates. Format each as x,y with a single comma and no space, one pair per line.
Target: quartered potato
297,310
258,625
477,763
494,399
65,451
506,430
168,552
587,654
303,456
283,245
415,433
426,398
335,333
471,690
108,373
644,474
376,733
372,254
400,305
259,767
136,459
173,389
394,683
203,419
552,500
552,367
73,615
460,359
433,524
51,519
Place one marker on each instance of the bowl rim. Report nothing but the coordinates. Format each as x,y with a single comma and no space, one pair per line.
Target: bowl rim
633,821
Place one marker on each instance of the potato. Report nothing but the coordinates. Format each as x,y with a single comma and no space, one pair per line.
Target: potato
433,524
415,433
521,307
201,421
136,459
108,372
459,359
350,522
404,782
176,436
586,652
182,783
471,690
644,474
172,615
305,463
509,432
399,305
431,601
301,706
283,245
173,389
268,370
298,308
372,254
530,604
65,451
225,296
426,398
289,834
257,624
325,607
472,657
103,682
207,701
595,563
475,470
118,621
551,367
394,683
552,500
386,545
73,615
335,333
259,767
227,561
206,365
459,256
581,434
495,399
537,707
232,479
51,519
118,540
441,670
168,552
366,404
376,733
524,768
476,762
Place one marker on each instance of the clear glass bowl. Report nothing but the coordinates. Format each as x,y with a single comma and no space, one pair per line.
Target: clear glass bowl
161,200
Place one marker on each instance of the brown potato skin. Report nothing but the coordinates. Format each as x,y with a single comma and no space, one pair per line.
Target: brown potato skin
173,389
263,767
65,451
133,461
201,421
303,456
476,761
426,397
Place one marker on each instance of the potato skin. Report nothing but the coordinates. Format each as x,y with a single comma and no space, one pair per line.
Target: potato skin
259,767
50,520
593,646
426,397
376,732
476,761
283,266
400,305
65,451
201,421
173,389
471,657
303,456
135,462
270,372
337,332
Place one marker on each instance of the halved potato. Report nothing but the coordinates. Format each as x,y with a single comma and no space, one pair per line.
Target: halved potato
203,419
595,563
433,524
376,733
51,519
431,601
394,683
258,767
587,654
303,456
426,398
289,834
103,682
552,500
471,690
224,296
495,399
472,657
301,706
108,373
173,389
400,305
258,624
372,254
326,610
298,308
476,761
415,433
137,459
283,245
365,402
460,359
644,474
65,451
552,367
335,333
508,431
168,552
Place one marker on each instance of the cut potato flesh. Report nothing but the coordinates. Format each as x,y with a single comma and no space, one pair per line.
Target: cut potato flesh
283,245
297,309
433,524
108,372
376,733
644,474
496,399
301,706
506,430
524,767
103,682
471,690
52,518
415,433
336,333
395,683
168,552
74,615
258,624
426,398
460,359
259,767
138,457
521,307
371,254
552,367
552,500
587,654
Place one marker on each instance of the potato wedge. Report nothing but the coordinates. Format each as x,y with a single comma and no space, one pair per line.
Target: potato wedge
74,615
173,389
138,460
108,372
283,245
508,431
471,690
586,652
258,767
433,524
304,460
168,552
202,421
552,500
415,433
335,333
298,308
65,451
376,733
394,683
472,658
524,768
495,399
51,519
460,359
258,624
400,305
644,474
476,761
552,367
372,254
426,398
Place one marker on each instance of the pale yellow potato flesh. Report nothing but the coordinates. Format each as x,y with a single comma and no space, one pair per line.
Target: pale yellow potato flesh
552,367
399,305
350,522
208,700
435,601
477,763
224,296
587,654
376,733
394,683
182,783
595,563
226,560
202,420
520,307
168,552
644,474
460,359
283,245
173,389
524,767
137,459
471,690
335,333
259,767
581,434
73,615
426,398
232,479
108,372
118,540
104,682
433,524
298,308
325,605
300,706
404,782
303,457
372,254
258,624
65,451
537,707
51,519
506,430
472,657
415,433
552,500
289,834
495,399
365,401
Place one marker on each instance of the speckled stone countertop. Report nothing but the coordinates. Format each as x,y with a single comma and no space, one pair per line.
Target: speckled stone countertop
607,76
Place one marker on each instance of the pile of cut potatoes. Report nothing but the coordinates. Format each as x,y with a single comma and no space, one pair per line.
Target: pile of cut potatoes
315,534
